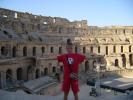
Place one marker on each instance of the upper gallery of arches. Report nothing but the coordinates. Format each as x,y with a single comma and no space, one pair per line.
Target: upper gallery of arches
26,27
21,22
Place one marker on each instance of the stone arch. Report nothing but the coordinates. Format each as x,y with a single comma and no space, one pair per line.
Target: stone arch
54,69
19,74
14,51
60,50
116,62
9,75
131,59
37,73
51,49
43,50
123,60
24,51
69,41
3,50
34,51
86,66
130,48
46,71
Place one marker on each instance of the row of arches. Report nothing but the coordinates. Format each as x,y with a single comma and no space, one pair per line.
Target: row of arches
88,67
46,72
4,51
9,74
124,60
116,63
20,72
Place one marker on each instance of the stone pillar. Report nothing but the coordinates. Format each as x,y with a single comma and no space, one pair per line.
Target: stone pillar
24,73
3,79
18,51
33,74
127,61
14,75
120,62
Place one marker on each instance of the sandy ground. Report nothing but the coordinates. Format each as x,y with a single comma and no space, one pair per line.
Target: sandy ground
83,95
105,95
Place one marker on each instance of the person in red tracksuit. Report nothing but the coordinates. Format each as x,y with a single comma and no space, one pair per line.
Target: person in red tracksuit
71,63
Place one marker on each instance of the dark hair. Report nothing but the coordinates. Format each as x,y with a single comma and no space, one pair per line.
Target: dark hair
69,42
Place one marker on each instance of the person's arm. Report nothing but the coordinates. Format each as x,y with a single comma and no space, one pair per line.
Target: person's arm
86,58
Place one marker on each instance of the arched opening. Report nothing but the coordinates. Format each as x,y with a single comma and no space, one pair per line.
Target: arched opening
3,51
69,41
43,50
60,50
116,63
24,51
123,60
34,51
9,76
114,49
52,49
106,50
14,52
54,69
121,48
98,49
130,48
19,74
131,59
86,66
37,73
45,71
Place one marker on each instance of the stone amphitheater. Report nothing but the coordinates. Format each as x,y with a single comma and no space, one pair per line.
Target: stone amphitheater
30,43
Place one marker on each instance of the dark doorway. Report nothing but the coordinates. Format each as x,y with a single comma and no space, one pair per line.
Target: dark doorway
86,66
9,76
123,60
19,74
45,71
14,52
116,63
25,51
37,73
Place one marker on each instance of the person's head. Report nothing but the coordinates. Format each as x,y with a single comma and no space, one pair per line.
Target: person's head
69,46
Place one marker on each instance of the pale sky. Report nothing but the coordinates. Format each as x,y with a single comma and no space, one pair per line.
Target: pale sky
97,12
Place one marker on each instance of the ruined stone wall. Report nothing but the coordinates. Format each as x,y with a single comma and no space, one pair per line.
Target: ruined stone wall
26,22
42,37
